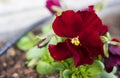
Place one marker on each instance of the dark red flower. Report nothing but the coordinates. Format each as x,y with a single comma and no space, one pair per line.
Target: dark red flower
114,57
112,61
103,30
82,30
51,3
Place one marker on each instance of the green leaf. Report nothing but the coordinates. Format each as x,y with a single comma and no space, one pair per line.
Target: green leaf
67,73
44,68
82,70
65,64
74,76
25,43
46,29
61,73
32,63
69,61
105,48
114,70
95,69
36,39
55,40
107,75
100,57
95,76
35,52
84,75
58,65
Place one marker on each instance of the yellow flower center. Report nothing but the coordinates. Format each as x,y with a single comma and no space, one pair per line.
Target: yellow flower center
75,41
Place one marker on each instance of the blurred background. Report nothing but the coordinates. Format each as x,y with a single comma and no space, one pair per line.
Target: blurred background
16,15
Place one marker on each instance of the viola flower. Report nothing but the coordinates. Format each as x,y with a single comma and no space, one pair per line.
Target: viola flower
51,3
82,31
114,57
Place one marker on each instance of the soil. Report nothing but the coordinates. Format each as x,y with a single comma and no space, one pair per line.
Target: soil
12,65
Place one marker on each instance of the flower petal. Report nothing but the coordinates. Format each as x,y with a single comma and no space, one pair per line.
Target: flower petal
111,62
68,24
90,19
103,30
116,40
91,40
60,51
79,54
115,50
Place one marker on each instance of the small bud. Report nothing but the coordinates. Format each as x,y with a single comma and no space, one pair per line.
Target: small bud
53,3
44,41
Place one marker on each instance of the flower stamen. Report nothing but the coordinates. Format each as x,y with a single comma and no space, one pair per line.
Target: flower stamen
75,41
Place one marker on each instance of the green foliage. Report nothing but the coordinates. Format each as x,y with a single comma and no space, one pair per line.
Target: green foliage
41,58
47,30
74,76
28,41
32,63
44,68
58,65
107,75
95,69
95,76
36,39
55,40
25,43
114,70
83,71
35,52
67,73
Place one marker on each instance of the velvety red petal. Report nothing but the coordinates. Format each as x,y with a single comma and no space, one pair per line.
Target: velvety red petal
103,30
96,50
79,54
60,51
90,19
116,40
91,40
89,37
68,24
85,53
